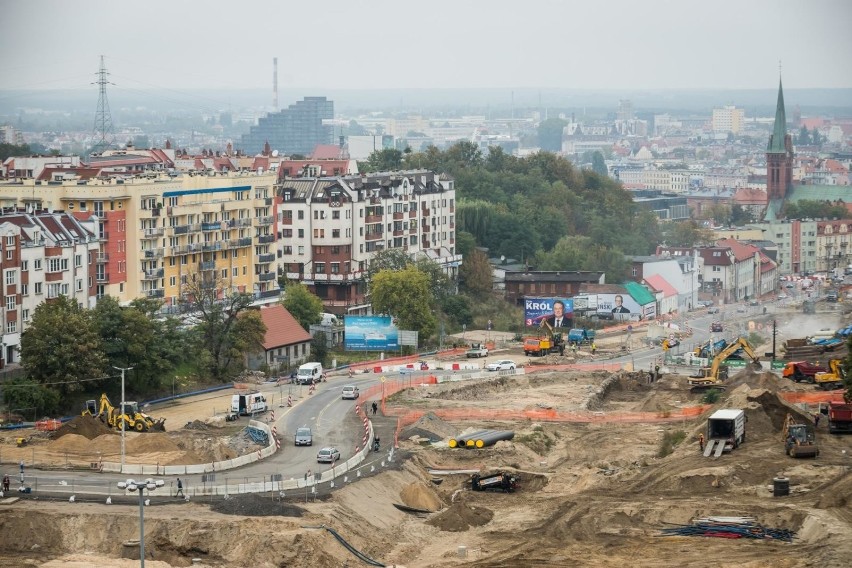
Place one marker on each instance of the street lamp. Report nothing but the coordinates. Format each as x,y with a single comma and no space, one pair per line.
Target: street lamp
133,485
123,421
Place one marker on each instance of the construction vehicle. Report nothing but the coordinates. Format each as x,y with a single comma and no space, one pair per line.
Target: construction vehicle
580,336
477,350
709,349
831,379
501,481
799,371
839,417
127,418
553,342
798,442
716,373
725,431
21,442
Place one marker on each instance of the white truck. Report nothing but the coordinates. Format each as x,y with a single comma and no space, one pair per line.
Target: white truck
477,350
248,404
725,431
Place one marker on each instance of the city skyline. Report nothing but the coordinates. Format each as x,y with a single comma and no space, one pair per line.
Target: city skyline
472,45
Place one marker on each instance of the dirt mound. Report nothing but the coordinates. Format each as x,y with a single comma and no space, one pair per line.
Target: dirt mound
87,426
151,442
755,380
197,425
460,517
429,426
419,496
255,505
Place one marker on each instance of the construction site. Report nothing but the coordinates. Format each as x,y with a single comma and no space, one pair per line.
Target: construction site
576,468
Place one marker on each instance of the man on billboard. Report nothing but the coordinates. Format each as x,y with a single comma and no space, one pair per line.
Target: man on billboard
558,318
619,305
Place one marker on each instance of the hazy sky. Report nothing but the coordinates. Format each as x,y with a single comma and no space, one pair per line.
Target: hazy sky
352,44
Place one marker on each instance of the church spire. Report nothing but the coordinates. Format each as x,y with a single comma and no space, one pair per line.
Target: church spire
779,132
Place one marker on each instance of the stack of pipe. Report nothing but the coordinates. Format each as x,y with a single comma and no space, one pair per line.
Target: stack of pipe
481,439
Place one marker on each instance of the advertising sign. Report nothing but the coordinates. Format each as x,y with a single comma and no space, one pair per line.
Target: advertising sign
559,312
370,333
620,307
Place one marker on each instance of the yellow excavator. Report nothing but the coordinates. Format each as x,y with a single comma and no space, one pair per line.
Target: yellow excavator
716,373
833,379
128,418
798,443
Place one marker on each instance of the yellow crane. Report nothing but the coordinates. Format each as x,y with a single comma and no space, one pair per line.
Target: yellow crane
713,375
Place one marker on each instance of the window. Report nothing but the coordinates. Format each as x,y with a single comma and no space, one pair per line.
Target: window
25,289
10,303
79,284
335,214
301,215
335,268
37,289
12,327
335,233
10,254
64,289
320,268
25,265
11,277
301,251
10,241
172,280
25,315
78,260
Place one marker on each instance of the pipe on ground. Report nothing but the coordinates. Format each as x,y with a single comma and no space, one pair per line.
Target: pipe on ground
493,437
460,440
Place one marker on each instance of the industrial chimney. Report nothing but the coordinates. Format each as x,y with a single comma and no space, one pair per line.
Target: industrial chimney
275,83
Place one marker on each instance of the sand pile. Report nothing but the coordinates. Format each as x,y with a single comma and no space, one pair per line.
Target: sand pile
460,517
255,505
755,380
429,426
88,427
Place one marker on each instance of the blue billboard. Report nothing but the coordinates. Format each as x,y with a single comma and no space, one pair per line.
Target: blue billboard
370,333
559,312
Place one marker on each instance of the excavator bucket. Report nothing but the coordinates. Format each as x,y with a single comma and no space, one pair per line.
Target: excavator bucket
804,451
159,425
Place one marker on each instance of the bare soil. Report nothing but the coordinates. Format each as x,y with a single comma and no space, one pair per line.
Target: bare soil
591,494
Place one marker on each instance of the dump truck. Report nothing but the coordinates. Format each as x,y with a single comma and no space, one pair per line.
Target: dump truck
839,417
129,417
799,371
580,336
725,431
798,442
833,378
552,342
499,481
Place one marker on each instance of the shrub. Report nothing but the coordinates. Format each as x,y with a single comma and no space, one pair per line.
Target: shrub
711,396
669,441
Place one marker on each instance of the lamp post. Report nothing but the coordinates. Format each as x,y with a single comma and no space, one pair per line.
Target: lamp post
123,422
133,485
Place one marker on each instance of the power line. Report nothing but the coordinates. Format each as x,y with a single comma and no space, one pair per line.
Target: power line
104,132
7,386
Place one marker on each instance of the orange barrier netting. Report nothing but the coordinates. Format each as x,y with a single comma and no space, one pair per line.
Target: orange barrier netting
813,397
48,425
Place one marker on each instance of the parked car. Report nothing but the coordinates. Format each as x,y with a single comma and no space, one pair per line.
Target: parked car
789,285
754,303
713,310
782,296
328,455
304,437
716,326
501,365
350,392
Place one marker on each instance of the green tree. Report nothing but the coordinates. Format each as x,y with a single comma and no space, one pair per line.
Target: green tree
816,138
389,259
550,134
24,393
227,326
804,137
687,234
319,347
457,309
62,347
384,160
599,165
465,242
741,215
475,273
405,295
464,154
720,213
302,304
583,253
9,150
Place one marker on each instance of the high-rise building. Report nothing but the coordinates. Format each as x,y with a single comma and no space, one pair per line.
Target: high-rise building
728,119
294,130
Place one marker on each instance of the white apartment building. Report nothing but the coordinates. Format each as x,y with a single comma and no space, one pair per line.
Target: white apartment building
728,119
44,255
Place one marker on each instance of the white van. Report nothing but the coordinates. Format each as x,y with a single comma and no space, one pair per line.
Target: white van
310,373
248,404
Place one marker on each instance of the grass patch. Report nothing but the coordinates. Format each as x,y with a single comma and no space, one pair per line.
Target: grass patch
669,441
539,441
711,396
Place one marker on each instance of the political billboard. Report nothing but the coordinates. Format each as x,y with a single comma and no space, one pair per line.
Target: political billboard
621,307
559,312
370,333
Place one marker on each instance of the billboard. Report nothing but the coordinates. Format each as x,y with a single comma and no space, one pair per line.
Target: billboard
370,333
622,307
559,312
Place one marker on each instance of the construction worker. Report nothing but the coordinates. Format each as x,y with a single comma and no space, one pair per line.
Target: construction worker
701,442
594,347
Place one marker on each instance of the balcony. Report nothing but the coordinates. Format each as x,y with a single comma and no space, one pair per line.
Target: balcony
263,258
398,216
244,242
268,293
267,201
265,239
154,232
153,253
208,265
156,293
398,233
373,237
214,226
426,228
104,277
263,221
266,276
244,222
412,214
152,274
373,219
102,257
212,246
180,229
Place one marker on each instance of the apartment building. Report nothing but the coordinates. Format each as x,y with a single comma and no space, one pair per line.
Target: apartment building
728,119
42,255
157,231
332,226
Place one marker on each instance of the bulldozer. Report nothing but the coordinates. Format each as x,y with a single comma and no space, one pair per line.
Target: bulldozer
127,418
715,374
798,442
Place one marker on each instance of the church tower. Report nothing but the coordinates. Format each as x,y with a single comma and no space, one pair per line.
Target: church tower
779,154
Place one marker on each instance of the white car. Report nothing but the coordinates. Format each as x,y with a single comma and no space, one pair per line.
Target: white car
328,455
501,365
350,392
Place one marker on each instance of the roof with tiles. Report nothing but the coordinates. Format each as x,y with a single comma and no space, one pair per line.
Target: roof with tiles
657,282
281,328
741,251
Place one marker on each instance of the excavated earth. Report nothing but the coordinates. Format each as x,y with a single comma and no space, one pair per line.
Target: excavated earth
591,494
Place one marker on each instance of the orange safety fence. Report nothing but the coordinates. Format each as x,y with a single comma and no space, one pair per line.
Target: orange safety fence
812,397
48,425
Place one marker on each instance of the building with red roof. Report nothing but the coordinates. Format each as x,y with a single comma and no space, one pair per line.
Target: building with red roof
286,344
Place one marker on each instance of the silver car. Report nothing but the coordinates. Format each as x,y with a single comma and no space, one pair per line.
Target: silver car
304,437
328,455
